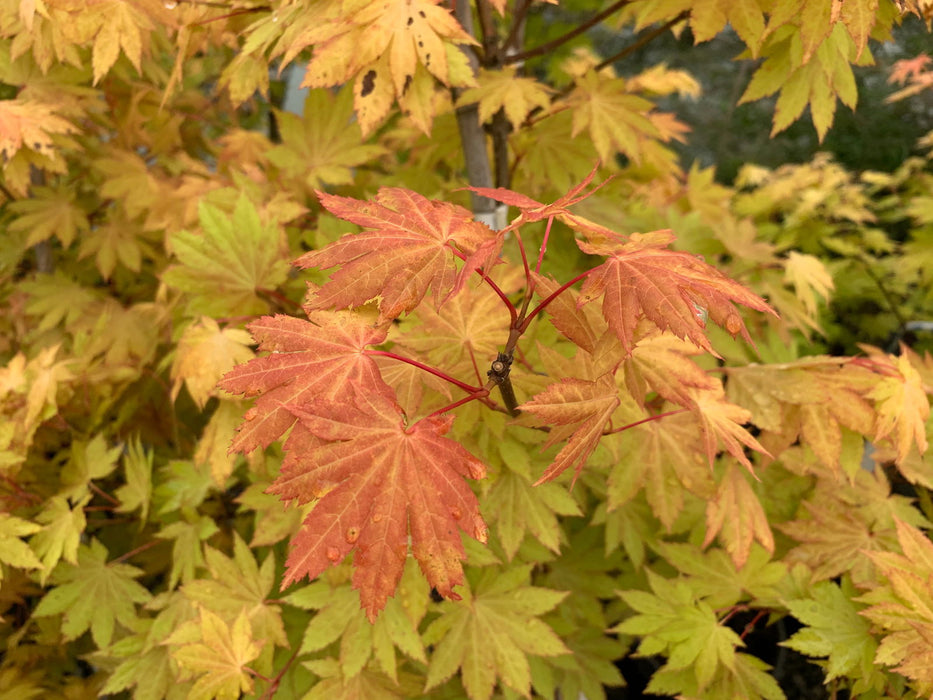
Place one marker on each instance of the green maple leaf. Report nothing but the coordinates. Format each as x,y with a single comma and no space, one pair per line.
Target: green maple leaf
222,267
13,551
94,595
340,617
89,461
670,620
713,576
816,81
61,535
520,508
324,145
585,672
186,548
137,491
239,583
185,486
148,667
749,678
272,522
488,635
834,629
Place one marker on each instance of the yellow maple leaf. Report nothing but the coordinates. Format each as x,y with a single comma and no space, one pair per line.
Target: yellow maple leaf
26,123
617,122
901,403
809,277
121,26
383,45
736,515
205,352
503,89
218,655
720,420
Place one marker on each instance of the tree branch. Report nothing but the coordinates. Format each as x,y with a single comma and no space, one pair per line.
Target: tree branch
642,40
572,34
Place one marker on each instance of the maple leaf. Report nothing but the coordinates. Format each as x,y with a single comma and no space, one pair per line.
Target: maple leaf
324,145
642,277
736,515
902,404
120,26
834,629
816,81
147,666
720,420
845,523
218,655
49,211
61,534
93,594
900,605
809,276
671,620
489,634
653,456
30,124
204,353
339,617
413,246
581,409
186,546
238,585
378,483
222,268
89,461
387,46
13,551
505,89
137,491
532,210
317,358
617,122
713,576
521,509
661,362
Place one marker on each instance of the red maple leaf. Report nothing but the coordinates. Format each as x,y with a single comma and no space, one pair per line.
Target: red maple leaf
673,289
412,246
313,359
578,409
378,483
533,210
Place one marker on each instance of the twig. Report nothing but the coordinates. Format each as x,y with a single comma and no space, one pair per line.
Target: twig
572,34
642,40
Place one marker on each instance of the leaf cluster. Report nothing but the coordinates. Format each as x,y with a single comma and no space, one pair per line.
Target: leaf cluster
327,402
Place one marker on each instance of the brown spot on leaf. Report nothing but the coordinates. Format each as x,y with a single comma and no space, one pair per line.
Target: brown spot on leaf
369,83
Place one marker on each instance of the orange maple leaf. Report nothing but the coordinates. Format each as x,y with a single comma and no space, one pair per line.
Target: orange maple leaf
578,408
377,483
314,359
673,289
413,246
30,124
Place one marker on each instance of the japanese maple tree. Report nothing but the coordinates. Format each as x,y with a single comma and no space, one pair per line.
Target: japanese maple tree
451,380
